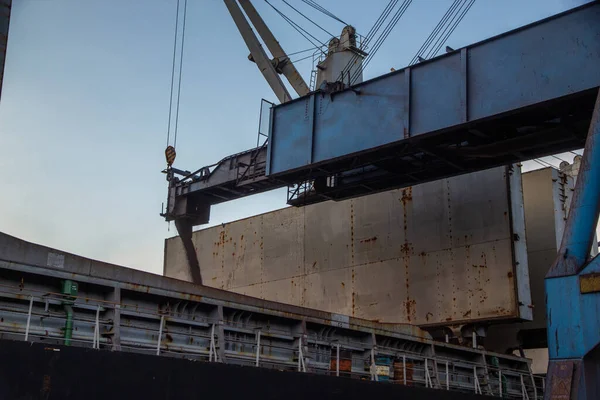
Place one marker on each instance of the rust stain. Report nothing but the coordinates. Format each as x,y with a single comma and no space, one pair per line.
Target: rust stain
353,295
46,384
192,297
428,315
352,232
406,195
168,338
343,285
510,274
242,237
373,239
410,306
467,314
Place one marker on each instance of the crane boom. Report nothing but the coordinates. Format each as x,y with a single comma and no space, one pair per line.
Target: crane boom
260,57
282,61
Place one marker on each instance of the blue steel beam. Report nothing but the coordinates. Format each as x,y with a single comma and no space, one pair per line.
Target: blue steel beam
573,287
583,213
470,109
520,95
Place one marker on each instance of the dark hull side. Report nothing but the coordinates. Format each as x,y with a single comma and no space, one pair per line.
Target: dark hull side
34,371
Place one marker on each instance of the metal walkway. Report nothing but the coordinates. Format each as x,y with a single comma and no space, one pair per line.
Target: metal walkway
131,311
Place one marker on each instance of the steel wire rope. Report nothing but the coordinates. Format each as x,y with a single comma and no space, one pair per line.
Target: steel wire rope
308,19
439,40
180,73
300,52
297,27
302,59
460,18
436,30
381,39
374,29
173,72
322,9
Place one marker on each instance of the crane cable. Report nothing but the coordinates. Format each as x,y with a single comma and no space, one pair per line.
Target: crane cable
310,20
432,35
297,27
322,9
443,30
453,28
381,39
170,153
173,73
180,72
374,29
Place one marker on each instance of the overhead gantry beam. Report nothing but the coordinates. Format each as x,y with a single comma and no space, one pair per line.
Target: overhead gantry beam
517,96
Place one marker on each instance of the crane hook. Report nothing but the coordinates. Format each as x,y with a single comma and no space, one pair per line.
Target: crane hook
170,155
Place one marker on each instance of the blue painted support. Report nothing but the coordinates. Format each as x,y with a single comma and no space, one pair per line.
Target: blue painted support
531,66
573,287
583,214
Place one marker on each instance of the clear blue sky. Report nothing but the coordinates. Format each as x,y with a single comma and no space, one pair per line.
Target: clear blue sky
84,107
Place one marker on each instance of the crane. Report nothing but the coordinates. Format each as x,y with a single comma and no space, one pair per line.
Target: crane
270,68
248,175
523,94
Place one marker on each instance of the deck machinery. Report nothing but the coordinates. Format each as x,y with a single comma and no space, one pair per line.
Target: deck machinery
523,94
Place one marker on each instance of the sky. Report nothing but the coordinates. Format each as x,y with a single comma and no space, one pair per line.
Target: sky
85,105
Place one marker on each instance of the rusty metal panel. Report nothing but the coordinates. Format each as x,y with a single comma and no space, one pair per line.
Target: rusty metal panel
241,254
431,254
210,249
328,237
283,244
330,290
175,263
589,283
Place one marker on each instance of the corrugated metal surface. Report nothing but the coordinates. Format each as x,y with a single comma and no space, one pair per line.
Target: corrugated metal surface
5,6
432,254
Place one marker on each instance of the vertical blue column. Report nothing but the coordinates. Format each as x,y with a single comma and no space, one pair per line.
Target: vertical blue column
585,207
